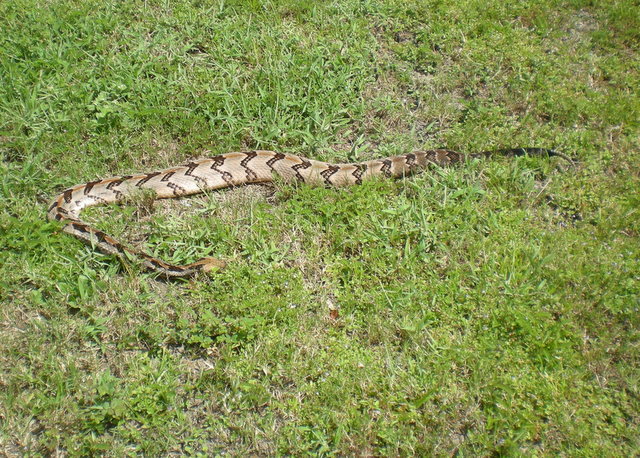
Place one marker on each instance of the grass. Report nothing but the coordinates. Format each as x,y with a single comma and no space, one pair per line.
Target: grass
489,309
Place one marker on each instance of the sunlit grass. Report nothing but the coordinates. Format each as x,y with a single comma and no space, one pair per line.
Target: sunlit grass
488,309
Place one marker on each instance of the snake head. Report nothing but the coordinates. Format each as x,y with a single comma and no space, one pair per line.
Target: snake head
209,264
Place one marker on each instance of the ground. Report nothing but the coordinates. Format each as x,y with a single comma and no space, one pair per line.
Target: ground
486,309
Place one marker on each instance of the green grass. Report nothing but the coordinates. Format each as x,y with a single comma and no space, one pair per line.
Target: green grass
489,309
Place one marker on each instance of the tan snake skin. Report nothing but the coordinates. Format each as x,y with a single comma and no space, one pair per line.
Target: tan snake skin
234,169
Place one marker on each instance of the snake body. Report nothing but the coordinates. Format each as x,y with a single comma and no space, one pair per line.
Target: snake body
234,169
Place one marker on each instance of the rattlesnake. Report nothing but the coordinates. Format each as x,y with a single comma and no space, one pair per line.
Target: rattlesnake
234,169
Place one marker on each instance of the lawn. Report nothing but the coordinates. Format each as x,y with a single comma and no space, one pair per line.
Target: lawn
491,308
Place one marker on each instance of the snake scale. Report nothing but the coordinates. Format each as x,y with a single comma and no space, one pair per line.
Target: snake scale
234,169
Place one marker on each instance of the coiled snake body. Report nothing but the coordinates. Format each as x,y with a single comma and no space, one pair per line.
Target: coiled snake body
233,169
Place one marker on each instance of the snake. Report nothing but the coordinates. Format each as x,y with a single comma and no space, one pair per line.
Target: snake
235,169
